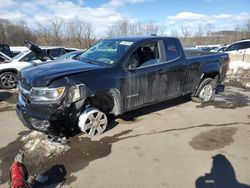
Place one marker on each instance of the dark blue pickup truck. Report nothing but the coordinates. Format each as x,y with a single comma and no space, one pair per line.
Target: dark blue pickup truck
112,77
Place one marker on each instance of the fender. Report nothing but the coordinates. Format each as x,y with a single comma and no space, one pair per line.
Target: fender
208,68
9,70
211,69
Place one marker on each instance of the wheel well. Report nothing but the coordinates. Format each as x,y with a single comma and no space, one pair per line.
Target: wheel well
103,102
210,75
9,70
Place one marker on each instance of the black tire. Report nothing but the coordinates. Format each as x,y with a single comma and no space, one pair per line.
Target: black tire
8,80
205,91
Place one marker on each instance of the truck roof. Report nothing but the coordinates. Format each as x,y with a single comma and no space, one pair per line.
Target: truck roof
138,38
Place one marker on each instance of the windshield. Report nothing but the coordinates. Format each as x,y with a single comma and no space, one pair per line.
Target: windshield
106,51
70,55
20,55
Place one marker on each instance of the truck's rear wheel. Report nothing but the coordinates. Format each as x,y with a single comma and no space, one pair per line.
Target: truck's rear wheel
205,92
92,121
8,80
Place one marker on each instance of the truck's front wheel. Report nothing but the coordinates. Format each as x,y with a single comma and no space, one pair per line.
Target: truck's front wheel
205,92
92,121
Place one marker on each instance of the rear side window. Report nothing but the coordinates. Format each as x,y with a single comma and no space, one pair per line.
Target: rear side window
232,47
243,45
238,46
56,52
172,50
29,57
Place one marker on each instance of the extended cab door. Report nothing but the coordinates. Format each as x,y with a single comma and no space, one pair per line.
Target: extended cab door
175,68
144,81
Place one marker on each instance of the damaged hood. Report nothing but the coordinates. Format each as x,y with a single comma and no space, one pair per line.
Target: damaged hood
43,74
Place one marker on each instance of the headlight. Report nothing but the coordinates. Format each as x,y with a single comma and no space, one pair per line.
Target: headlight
43,94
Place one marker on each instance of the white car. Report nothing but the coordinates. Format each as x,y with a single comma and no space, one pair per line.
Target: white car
15,50
239,48
9,70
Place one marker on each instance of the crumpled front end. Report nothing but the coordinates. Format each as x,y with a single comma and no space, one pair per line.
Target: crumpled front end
54,117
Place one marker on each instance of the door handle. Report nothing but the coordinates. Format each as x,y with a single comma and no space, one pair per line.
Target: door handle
161,71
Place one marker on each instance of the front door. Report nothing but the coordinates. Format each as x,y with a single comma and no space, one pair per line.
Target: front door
143,83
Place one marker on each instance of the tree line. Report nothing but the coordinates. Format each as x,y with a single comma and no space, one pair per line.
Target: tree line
82,34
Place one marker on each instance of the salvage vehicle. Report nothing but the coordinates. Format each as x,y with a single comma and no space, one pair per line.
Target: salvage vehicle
112,77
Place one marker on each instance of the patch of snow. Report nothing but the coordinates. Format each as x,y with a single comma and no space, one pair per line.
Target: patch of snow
37,143
247,85
236,65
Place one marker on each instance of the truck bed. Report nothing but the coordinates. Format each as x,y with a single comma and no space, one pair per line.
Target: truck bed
193,53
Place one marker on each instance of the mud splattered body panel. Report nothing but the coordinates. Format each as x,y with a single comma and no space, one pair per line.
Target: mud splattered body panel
114,87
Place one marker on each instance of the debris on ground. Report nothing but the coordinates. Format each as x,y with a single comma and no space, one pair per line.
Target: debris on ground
38,144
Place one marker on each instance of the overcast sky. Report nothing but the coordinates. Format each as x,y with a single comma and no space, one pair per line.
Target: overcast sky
171,14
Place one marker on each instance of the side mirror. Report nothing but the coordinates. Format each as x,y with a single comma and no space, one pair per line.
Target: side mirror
133,62
132,66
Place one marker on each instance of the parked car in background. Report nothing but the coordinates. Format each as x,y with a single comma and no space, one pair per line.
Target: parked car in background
4,58
32,56
5,48
15,50
219,49
207,47
239,47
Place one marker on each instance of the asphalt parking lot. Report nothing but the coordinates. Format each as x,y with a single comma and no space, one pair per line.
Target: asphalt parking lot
173,144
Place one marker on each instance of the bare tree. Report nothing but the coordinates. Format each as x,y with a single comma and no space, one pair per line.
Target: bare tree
209,29
199,34
56,27
87,33
120,28
151,27
15,34
186,31
51,33
125,28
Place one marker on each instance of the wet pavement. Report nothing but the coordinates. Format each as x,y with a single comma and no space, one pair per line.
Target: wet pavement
173,144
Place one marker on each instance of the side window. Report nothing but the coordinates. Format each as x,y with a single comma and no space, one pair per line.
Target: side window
29,57
145,55
56,52
244,45
172,50
232,47
248,44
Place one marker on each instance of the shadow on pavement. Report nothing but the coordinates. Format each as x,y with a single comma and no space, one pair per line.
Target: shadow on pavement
222,175
228,100
9,97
